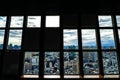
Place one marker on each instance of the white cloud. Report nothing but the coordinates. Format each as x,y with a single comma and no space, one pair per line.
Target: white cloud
34,21
88,37
105,21
16,21
3,21
15,37
70,37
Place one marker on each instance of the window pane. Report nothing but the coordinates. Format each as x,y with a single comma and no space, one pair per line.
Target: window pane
89,39
90,63
105,21
107,39
3,21
31,63
119,34
2,32
34,21
70,39
52,63
52,21
71,63
110,62
16,21
14,40
118,21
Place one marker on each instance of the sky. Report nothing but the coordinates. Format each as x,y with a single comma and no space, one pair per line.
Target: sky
70,36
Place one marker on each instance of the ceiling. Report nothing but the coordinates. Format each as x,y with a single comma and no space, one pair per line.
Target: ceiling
36,7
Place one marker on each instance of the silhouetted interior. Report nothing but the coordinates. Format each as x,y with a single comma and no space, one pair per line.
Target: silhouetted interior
11,61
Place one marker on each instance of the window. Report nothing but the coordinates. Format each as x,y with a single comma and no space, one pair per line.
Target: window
52,21
34,21
105,21
31,64
118,20
89,39
14,41
71,63
3,21
2,32
52,65
90,63
16,21
70,39
107,39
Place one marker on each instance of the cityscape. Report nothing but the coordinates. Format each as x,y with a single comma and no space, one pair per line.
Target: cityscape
110,63
90,63
52,63
31,63
71,63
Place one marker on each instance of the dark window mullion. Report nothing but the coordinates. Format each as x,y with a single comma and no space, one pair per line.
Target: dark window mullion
42,52
80,49
101,73
22,50
61,48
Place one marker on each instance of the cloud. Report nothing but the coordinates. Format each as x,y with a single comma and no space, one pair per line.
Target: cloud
15,37
88,37
3,21
34,21
105,21
107,38
70,37
118,21
16,21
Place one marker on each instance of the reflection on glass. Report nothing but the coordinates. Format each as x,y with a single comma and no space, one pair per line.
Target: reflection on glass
31,63
34,21
88,39
2,32
3,21
71,63
70,39
90,63
118,20
14,40
52,21
105,21
107,39
16,21
110,63
52,63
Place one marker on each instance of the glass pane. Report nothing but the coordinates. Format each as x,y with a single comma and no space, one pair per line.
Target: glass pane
107,39
3,21
119,34
52,21
31,63
2,32
105,21
70,39
71,63
34,21
16,21
110,63
14,40
52,63
118,21
89,39
90,63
